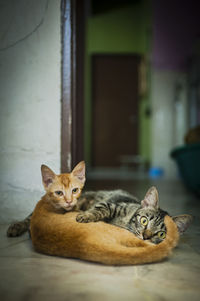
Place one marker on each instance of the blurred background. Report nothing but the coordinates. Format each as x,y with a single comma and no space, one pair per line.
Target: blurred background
141,83
140,90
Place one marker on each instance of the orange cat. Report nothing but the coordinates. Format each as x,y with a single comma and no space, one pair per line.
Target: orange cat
55,231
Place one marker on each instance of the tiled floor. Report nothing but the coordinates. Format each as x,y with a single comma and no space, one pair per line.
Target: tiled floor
27,275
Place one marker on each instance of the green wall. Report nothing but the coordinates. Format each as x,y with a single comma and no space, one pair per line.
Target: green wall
124,30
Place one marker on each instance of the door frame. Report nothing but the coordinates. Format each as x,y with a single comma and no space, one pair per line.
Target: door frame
72,84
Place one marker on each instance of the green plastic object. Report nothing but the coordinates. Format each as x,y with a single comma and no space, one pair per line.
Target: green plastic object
187,158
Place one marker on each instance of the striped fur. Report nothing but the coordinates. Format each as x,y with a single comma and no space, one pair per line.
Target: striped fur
18,228
124,210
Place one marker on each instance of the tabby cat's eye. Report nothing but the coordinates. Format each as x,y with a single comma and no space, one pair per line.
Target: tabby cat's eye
143,220
161,234
59,192
74,190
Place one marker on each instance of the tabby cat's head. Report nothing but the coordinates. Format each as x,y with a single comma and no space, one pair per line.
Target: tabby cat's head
63,190
149,219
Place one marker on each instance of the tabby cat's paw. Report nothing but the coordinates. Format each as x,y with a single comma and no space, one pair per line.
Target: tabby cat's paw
16,229
85,218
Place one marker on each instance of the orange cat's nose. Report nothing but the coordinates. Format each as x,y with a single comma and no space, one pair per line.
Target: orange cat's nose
68,201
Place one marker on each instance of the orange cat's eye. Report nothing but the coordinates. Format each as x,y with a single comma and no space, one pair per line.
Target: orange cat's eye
59,192
74,190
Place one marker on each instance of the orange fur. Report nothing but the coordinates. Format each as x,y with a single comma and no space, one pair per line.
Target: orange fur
59,234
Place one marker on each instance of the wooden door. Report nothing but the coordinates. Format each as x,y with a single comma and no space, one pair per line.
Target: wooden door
115,108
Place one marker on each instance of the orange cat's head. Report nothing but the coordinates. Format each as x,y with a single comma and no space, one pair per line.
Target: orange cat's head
63,190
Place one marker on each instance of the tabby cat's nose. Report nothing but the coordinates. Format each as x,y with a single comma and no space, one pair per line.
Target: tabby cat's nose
147,234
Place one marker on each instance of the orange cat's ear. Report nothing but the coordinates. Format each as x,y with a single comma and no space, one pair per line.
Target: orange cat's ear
151,198
48,176
79,171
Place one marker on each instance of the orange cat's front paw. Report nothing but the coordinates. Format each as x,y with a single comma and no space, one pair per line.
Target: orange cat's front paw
85,217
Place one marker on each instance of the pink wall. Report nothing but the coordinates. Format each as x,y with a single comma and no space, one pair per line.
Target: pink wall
176,27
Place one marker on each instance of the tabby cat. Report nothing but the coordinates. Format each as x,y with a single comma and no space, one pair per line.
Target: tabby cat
118,207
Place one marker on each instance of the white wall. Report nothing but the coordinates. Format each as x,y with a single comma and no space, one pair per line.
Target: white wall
30,58
167,118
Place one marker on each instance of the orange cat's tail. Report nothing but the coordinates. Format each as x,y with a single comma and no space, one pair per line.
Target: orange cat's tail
131,250
61,235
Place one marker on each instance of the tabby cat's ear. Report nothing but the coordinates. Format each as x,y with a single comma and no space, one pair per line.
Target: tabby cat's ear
48,176
182,222
151,199
79,171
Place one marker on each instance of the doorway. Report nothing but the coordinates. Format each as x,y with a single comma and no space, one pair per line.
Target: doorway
114,108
